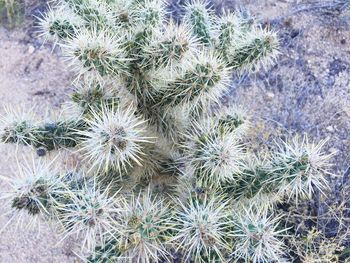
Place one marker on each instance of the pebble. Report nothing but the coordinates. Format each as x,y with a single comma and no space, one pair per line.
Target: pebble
330,129
41,152
31,49
270,95
347,111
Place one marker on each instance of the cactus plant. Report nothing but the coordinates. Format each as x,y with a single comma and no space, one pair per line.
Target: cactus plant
167,174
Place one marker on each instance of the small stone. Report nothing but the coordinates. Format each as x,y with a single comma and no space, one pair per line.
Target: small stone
330,129
294,33
31,49
346,111
41,152
270,95
288,22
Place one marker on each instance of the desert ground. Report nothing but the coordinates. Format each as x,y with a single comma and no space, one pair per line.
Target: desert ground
306,91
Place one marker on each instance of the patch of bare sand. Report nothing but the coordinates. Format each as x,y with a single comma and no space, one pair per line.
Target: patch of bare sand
28,77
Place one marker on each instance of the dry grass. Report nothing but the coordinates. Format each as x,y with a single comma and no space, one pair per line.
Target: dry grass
11,12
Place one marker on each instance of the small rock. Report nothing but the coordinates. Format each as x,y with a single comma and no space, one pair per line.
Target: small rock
330,129
41,152
294,33
347,111
270,95
31,49
288,22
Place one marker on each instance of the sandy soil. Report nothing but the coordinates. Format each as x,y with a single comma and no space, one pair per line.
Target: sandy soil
307,91
28,76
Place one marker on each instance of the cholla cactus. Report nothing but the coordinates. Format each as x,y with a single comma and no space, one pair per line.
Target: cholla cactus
256,235
114,139
166,173
146,228
33,191
201,228
88,211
